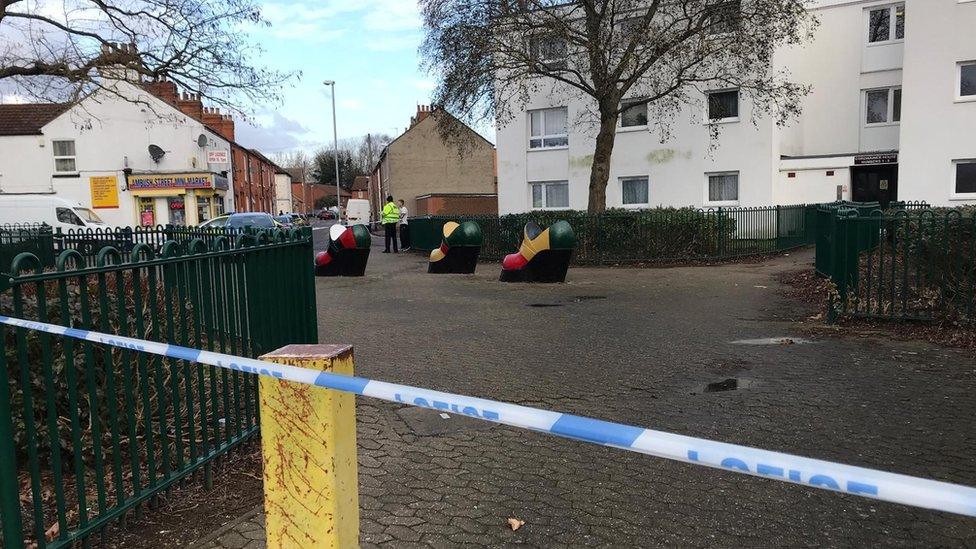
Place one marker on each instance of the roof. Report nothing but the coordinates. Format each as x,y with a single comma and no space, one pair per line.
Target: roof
361,183
28,118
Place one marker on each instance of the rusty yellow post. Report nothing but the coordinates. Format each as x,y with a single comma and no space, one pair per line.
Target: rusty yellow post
308,441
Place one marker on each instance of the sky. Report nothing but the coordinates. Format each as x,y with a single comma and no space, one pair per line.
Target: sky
369,47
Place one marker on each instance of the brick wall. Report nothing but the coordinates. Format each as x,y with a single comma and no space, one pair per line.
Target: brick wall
457,204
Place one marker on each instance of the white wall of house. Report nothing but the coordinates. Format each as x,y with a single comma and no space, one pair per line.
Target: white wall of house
283,201
812,159
938,126
111,134
676,170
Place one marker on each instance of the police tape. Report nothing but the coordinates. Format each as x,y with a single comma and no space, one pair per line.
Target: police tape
860,481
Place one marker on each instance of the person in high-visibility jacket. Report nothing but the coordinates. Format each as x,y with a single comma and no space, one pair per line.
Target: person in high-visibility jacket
391,215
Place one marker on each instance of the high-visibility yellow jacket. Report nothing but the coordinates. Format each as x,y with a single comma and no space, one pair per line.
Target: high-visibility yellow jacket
391,213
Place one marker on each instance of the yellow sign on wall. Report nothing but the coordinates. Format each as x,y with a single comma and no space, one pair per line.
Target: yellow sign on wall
104,191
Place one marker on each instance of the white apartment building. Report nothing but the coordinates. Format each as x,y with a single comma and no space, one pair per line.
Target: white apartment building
130,157
891,116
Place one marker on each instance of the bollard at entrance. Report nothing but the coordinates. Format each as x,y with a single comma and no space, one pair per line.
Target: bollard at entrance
308,443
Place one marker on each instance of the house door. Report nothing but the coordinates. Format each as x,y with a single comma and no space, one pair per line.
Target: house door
875,183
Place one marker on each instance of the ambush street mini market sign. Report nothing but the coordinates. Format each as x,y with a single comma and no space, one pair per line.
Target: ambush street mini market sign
140,182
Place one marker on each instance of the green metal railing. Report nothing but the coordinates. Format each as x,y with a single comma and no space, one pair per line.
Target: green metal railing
34,238
95,433
655,235
904,265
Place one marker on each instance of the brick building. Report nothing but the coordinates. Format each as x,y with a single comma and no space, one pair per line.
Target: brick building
253,173
429,174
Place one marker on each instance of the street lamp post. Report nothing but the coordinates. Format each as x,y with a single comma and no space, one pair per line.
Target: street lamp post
335,150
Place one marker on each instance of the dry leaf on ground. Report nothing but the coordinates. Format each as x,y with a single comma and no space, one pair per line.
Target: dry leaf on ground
515,523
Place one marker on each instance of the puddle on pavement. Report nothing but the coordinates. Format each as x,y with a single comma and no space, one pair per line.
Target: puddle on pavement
773,341
730,384
725,385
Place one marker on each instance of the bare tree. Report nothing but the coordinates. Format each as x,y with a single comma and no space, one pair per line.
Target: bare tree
298,160
491,56
57,51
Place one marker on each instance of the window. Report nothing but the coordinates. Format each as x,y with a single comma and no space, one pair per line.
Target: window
549,51
64,156
66,215
723,106
629,27
965,178
880,28
550,194
882,106
723,188
634,115
722,16
967,80
633,191
548,128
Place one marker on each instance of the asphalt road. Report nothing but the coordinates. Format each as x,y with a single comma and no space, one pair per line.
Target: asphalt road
637,346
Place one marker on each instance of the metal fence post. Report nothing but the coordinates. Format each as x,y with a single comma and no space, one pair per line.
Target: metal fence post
308,441
13,526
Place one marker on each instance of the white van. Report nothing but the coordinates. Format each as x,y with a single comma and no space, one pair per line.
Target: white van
357,211
52,210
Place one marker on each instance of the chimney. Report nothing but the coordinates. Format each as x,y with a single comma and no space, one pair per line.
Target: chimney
164,90
191,105
423,111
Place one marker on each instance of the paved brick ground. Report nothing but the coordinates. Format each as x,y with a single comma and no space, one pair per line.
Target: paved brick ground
635,346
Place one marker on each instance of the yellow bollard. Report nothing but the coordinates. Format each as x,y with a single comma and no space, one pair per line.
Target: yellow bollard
308,442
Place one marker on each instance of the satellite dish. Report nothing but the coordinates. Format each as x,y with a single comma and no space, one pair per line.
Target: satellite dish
156,152
202,140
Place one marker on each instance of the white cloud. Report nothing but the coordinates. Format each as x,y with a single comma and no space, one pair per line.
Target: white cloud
424,84
351,104
331,20
271,132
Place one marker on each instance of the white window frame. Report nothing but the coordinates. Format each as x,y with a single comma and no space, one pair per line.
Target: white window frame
958,91
892,24
953,195
723,203
716,6
545,184
623,107
542,146
73,157
890,115
552,64
638,205
727,120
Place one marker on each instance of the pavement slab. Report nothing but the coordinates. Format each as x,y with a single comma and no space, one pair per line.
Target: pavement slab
637,346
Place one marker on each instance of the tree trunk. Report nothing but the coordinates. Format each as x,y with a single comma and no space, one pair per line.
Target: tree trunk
600,170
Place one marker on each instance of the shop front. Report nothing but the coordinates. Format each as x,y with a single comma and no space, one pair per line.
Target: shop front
177,198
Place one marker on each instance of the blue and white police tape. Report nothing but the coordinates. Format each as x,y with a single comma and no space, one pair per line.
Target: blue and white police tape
847,479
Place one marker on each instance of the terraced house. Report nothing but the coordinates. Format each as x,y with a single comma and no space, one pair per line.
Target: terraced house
890,117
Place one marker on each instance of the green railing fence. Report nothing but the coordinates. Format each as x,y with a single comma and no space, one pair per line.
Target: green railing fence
909,264
34,238
654,235
95,433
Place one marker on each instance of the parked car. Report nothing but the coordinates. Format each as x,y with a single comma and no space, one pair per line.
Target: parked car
326,214
299,220
285,221
257,220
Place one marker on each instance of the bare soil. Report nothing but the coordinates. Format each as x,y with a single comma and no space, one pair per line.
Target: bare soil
806,287
190,512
